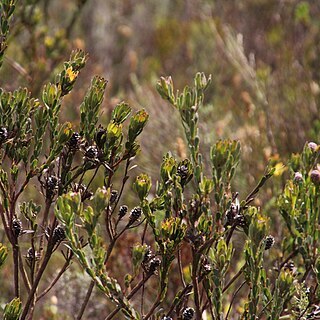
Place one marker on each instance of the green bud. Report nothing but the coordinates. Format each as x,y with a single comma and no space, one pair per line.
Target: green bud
120,113
142,185
50,96
12,310
168,165
165,89
137,123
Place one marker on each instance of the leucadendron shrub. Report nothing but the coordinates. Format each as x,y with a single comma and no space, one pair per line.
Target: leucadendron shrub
227,258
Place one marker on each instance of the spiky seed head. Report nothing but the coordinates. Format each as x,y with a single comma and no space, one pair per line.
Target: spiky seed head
123,211
269,242
3,134
135,214
91,153
58,234
153,265
147,256
16,227
74,142
182,171
188,313
113,196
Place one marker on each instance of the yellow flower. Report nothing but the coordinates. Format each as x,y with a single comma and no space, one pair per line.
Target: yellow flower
279,169
71,74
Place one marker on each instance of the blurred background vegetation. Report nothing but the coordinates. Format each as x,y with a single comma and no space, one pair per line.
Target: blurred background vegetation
263,56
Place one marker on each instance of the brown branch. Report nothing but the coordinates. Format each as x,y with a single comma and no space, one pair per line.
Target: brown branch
86,300
234,278
233,297
184,292
130,295
24,273
15,248
36,282
55,280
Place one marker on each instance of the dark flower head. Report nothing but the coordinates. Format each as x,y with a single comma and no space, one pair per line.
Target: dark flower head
188,313
74,141
3,134
113,196
91,153
315,177
135,214
123,211
269,242
58,234
16,227
297,177
153,265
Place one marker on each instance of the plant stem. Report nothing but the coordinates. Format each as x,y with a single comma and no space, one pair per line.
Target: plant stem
15,249
86,300
24,273
233,297
43,225
180,268
185,291
195,263
36,282
154,306
234,278
55,280
129,296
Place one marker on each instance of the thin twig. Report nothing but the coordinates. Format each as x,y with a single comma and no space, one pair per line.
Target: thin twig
233,297
234,278
15,248
24,273
195,263
129,296
264,308
180,268
86,300
55,280
17,66
36,283
184,292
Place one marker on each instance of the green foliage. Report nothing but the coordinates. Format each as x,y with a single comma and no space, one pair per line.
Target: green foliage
7,8
13,310
193,228
3,254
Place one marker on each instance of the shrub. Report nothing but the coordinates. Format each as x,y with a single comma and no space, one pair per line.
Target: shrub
200,246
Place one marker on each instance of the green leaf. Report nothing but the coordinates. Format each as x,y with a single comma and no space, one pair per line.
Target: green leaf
12,310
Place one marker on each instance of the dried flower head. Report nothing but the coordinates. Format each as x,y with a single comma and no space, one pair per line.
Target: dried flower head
153,265
91,153
135,214
269,242
123,211
58,234
74,142
113,196
188,313
3,134
16,227
51,186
